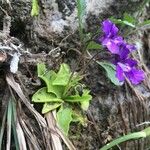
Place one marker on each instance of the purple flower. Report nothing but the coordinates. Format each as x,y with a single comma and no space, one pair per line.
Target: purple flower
135,76
127,68
123,53
110,30
114,42
110,38
112,45
125,49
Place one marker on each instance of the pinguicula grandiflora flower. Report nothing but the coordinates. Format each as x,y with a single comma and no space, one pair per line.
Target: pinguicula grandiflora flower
110,38
125,66
128,68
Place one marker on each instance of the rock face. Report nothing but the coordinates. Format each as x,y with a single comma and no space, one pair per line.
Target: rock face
58,18
114,111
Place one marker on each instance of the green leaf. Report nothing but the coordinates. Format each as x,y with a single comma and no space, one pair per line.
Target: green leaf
41,69
57,90
50,106
42,96
136,135
129,18
147,131
116,21
122,22
9,122
111,72
93,45
75,80
35,8
81,7
85,105
64,118
14,125
128,23
62,76
72,83
78,117
84,99
77,98
49,77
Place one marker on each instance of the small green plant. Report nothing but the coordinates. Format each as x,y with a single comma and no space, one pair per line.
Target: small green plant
130,21
35,8
81,7
126,20
131,136
63,93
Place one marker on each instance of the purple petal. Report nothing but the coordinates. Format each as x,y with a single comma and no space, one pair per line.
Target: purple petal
123,53
105,40
109,28
119,73
112,47
131,62
113,44
131,47
135,76
124,67
118,40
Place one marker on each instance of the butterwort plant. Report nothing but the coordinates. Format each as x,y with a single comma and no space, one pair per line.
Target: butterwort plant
64,93
124,65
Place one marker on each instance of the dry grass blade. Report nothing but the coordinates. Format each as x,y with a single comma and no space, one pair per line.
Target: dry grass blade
9,120
21,138
41,121
16,87
31,140
56,143
66,140
2,128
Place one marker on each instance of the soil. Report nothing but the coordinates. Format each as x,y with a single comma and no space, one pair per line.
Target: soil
52,37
